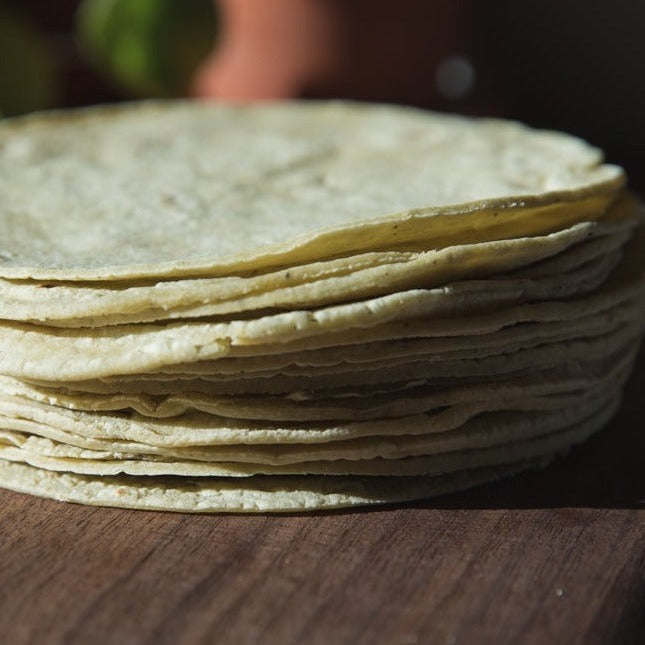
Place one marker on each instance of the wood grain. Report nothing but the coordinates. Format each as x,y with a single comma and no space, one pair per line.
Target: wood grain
556,556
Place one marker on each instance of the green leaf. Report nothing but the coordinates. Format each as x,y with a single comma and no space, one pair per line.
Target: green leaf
150,47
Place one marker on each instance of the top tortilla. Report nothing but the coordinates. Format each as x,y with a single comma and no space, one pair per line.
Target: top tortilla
198,189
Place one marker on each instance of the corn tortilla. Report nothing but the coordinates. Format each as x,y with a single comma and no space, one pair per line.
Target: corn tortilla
422,176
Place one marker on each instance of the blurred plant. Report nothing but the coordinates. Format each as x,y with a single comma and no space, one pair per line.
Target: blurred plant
148,47
28,77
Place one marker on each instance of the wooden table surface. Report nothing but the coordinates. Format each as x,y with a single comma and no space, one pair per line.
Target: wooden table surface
554,556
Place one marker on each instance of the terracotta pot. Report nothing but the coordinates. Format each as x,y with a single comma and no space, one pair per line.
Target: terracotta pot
366,49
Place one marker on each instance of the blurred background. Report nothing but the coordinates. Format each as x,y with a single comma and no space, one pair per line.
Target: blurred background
571,65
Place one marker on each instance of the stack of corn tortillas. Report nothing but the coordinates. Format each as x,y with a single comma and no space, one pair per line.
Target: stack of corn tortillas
300,306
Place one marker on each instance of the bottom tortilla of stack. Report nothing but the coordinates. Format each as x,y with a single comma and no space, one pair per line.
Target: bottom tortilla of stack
259,494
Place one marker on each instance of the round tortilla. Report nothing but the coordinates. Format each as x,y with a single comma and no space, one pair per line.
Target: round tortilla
83,192
324,283
258,494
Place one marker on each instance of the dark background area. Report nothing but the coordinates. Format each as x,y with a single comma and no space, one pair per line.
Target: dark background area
77,82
